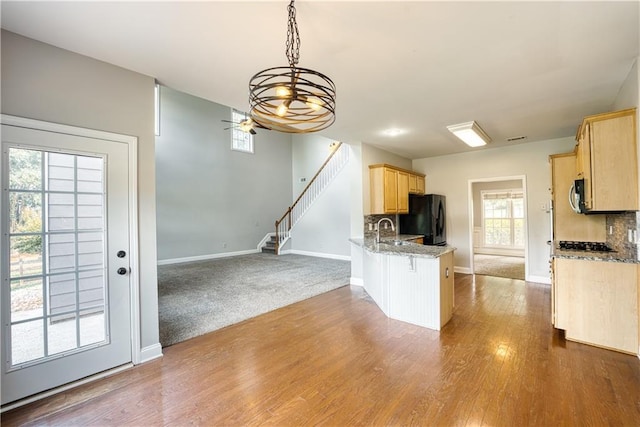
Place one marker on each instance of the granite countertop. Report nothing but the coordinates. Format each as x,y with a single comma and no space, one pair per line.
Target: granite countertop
408,249
592,255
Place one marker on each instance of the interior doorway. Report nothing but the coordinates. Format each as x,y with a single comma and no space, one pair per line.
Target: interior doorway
498,227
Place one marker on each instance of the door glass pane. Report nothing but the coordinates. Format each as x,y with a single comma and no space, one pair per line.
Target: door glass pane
25,169
58,289
92,326
61,333
27,341
26,255
26,299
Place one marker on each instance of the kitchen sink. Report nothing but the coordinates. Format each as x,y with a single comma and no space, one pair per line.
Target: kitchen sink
396,242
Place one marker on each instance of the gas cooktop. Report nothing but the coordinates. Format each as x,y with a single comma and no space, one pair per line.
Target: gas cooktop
584,246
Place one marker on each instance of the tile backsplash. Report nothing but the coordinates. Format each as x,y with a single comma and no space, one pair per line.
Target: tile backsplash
618,240
384,232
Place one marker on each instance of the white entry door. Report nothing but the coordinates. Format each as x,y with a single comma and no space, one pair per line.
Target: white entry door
65,296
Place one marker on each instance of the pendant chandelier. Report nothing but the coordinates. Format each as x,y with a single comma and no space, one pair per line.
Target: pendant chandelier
292,99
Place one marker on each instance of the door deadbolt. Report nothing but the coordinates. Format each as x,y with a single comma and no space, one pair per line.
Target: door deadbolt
122,271
121,254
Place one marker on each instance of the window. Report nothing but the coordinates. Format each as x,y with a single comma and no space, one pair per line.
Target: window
240,140
157,109
503,218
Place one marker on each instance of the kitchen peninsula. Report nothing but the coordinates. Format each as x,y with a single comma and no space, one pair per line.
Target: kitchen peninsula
409,281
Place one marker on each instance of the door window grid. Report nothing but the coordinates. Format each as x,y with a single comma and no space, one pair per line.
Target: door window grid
503,219
84,224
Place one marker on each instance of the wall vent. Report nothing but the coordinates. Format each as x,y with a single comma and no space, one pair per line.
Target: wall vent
516,138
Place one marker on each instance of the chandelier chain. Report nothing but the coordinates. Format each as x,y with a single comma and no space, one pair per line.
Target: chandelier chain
293,37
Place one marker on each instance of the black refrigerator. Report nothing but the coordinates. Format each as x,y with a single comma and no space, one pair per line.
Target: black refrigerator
426,217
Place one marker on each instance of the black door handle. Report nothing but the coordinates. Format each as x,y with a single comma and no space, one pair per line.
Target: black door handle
122,271
121,254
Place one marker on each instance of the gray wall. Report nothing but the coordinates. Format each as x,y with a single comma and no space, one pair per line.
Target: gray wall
325,227
450,175
210,199
43,82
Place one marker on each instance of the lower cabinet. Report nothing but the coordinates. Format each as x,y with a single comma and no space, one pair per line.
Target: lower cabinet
421,290
596,302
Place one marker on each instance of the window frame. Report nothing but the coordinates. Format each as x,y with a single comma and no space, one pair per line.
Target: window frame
247,138
510,217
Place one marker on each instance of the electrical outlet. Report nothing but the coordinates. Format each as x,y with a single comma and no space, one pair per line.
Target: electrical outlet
610,230
370,227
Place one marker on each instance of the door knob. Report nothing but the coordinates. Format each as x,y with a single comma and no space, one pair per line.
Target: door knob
121,254
122,271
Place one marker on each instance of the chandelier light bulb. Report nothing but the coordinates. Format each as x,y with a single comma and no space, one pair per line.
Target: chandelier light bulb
314,103
283,108
282,91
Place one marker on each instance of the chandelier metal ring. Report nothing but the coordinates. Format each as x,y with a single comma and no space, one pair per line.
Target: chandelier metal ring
292,99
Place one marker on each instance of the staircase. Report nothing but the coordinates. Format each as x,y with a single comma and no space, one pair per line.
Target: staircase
329,169
270,246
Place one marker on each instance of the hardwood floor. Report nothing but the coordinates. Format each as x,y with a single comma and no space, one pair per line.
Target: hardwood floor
336,359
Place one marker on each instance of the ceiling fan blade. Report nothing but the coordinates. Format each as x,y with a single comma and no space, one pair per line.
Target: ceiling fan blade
252,131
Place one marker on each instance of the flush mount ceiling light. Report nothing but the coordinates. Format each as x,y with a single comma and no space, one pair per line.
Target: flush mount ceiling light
292,99
392,132
470,133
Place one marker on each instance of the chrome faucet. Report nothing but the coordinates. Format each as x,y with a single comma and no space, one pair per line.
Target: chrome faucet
378,228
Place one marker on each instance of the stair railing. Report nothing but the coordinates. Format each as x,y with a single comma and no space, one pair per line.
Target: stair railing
329,169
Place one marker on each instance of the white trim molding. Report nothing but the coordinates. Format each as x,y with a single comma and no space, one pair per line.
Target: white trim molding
132,144
205,257
539,279
317,254
150,353
356,281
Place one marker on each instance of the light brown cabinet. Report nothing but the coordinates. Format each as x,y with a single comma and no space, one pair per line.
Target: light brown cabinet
596,302
416,184
390,187
568,225
446,288
606,158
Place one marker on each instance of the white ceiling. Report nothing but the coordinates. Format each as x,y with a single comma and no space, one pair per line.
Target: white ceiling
517,68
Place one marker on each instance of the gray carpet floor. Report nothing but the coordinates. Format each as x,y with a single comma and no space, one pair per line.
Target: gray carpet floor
499,266
200,297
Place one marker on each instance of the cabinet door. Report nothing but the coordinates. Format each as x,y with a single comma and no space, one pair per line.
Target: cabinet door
390,191
413,183
446,288
402,193
420,185
614,169
562,275
596,303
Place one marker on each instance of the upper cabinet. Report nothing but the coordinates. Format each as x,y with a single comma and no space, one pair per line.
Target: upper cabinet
390,187
607,161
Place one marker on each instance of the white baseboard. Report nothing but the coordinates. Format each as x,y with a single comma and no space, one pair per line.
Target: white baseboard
462,270
150,353
500,252
316,254
206,257
539,279
356,281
